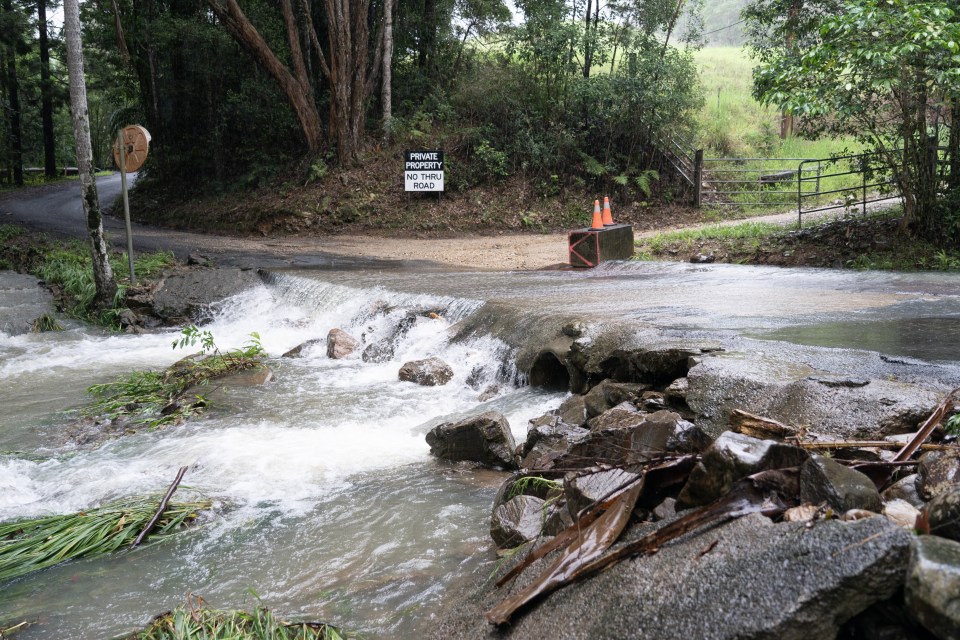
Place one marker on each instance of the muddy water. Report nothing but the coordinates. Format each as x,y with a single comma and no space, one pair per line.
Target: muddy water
328,504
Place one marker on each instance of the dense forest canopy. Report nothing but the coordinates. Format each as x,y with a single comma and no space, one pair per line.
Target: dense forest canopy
565,94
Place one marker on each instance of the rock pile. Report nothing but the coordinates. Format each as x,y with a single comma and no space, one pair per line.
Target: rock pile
757,530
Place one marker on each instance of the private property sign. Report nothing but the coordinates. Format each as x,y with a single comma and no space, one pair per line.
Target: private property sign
423,170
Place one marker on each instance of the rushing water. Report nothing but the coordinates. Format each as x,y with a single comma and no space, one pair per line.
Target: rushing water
328,505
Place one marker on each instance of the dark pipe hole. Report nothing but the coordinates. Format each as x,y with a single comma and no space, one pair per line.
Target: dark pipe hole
549,373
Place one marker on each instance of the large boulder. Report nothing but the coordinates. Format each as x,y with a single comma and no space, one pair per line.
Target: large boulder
943,513
731,457
823,480
430,372
573,411
484,438
746,579
517,521
932,591
183,297
784,385
340,344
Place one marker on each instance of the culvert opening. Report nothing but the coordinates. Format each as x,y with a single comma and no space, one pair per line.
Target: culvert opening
548,372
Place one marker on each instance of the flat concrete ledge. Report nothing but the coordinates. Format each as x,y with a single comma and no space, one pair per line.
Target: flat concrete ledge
589,247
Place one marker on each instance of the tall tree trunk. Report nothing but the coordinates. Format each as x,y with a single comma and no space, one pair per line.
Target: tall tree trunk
954,145
296,89
13,95
387,79
106,286
46,95
586,39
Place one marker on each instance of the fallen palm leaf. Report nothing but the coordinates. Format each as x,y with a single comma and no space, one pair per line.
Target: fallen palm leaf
767,492
31,545
653,479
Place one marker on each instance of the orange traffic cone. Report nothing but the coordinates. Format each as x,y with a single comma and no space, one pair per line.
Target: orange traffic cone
597,218
607,216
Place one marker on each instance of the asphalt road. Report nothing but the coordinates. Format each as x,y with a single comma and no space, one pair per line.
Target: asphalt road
58,209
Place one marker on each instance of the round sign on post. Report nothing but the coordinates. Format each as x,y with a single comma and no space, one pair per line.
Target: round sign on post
136,144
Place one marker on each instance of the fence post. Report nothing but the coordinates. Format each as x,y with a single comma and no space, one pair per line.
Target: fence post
864,169
697,177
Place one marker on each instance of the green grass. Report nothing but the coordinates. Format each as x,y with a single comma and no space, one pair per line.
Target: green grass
70,268
733,124
751,231
196,622
31,545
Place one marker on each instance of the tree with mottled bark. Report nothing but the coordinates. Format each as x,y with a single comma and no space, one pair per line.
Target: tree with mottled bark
46,95
349,63
386,94
106,286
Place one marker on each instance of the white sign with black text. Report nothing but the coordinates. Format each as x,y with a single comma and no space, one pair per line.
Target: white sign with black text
423,170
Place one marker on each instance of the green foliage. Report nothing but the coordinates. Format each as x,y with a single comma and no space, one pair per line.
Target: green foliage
31,545
197,622
155,399
953,425
883,71
536,484
44,323
69,267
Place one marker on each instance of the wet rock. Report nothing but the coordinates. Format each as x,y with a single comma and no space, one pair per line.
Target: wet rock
609,393
583,488
943,513
198,259
901,513
574,329
24,299
625,416
904,419
666,510
573,411
340,344
758,580
546,443
937,471
823,480
731,457
558,518
298,350
517,521
652,401
701,258
932,590
634,437
431,372
677,390
490,393
904,489
778,386
664,432
382,350
626,355
484,438
184,296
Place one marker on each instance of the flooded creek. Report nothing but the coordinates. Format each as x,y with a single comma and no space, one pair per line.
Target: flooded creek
328,505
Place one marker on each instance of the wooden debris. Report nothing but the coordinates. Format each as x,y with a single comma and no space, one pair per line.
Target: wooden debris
945,407
759,427
768,492
870,444
160,509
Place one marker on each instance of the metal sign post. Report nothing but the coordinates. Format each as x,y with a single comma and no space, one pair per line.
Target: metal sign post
126,204
133,144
